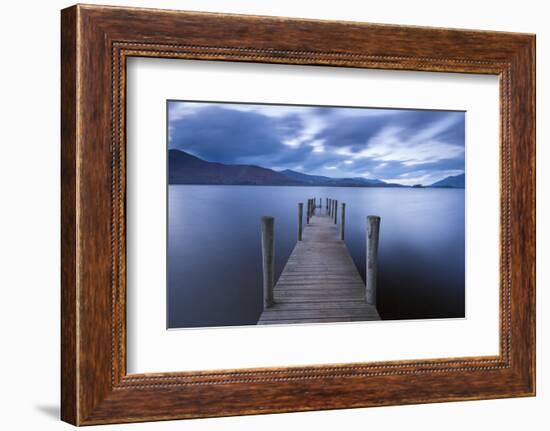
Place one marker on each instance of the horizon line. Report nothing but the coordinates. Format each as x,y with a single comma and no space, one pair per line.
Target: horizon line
385,181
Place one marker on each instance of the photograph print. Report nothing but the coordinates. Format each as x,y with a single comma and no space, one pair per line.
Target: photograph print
297,214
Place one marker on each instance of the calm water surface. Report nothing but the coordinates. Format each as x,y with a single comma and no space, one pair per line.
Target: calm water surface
214,254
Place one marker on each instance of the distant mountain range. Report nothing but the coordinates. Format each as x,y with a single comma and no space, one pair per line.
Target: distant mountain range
318,180
184,168
456,182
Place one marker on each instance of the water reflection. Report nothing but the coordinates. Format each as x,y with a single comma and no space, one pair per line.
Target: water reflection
214,256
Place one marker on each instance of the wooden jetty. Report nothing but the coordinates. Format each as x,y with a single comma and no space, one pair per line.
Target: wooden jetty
320,282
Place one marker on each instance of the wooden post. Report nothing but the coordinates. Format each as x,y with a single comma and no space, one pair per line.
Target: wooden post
342,225
326,204
330,208
308,211
335,212
268,259
373,231
300,215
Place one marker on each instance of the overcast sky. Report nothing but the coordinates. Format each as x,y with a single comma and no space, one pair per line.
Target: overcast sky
394,145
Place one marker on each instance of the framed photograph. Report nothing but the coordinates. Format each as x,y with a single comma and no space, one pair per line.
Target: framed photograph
264,215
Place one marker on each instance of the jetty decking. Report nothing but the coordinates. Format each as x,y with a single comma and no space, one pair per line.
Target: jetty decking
320,282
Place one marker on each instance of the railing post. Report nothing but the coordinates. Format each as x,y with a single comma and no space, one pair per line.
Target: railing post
373,231
268,259
300,215
342,225
335,212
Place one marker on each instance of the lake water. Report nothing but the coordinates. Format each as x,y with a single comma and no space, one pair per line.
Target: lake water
214,253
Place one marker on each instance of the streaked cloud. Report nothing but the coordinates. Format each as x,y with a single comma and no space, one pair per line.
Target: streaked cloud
394,145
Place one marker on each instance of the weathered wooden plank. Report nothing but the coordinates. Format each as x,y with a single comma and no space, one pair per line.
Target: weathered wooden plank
333,284
354,292
319,283
314,313
315,320
318,305
337,281
312,300
316,278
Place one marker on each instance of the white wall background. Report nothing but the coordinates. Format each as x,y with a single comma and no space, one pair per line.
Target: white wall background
29,214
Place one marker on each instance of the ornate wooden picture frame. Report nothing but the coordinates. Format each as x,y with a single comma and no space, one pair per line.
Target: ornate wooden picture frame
96,41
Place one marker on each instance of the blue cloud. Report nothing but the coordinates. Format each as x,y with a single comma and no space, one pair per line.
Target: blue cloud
225,135
405,146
